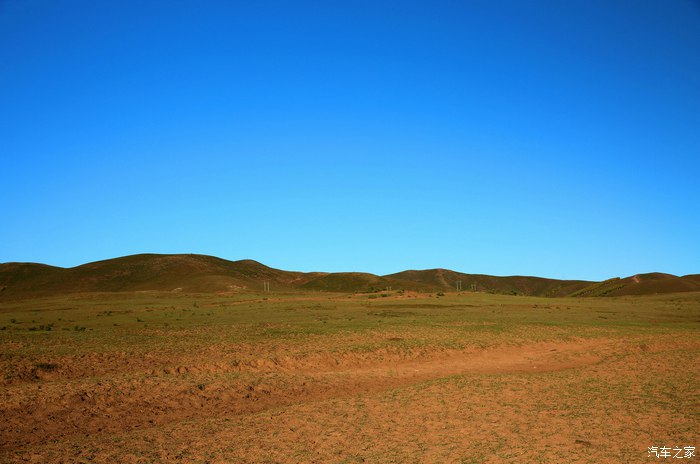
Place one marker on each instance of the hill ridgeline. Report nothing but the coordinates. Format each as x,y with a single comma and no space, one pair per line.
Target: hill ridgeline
207,274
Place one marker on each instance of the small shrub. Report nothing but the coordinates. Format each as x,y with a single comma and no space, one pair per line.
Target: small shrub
46,366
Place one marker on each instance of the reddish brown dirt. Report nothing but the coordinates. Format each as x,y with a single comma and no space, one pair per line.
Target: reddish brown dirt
324,408
53,405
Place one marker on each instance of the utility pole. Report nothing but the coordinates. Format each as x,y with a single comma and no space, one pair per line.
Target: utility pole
266,286
459,285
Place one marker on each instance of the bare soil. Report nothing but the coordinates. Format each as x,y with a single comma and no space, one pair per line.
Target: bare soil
590,399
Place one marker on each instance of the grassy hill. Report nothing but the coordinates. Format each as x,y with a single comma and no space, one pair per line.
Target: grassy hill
208,274
444,279
642,284
26,277
188,273
654,283
362,282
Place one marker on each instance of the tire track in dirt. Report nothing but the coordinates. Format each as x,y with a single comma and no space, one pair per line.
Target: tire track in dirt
46,411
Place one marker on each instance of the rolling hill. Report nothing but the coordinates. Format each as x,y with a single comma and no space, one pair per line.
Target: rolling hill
205,274
362,282
187,273
444,279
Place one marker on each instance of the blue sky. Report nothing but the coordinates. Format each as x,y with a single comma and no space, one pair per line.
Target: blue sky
551,138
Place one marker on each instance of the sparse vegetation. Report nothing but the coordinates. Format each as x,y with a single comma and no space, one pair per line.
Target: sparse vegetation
48,367
404,362
167,272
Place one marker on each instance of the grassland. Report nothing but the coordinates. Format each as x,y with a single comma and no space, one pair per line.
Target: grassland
320,377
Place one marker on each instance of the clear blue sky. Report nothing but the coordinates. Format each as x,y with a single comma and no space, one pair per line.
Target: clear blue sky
554,138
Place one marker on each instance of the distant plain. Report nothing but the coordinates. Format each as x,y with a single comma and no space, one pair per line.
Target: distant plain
368,376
